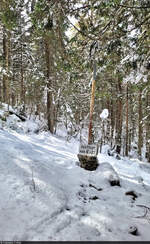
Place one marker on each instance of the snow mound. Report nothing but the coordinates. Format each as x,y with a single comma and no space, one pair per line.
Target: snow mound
105,176
11,119
104,114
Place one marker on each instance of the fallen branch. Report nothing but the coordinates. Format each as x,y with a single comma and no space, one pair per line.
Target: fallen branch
136,7
147,209
140,205
142,216
18,115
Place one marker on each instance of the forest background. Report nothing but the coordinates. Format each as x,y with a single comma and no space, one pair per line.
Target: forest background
46,58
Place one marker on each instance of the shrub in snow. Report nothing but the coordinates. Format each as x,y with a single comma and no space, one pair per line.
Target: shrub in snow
2,118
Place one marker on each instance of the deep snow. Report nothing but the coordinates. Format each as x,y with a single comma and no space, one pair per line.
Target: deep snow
45,195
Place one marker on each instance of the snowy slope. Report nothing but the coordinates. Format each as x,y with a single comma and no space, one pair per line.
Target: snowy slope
45,195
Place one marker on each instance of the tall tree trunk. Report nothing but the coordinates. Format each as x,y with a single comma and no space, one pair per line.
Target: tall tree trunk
49,65
127,123
140,129
132,132
13,91
1,94
5,66
1,55
112,116
119,119
147,154
108,125
22,91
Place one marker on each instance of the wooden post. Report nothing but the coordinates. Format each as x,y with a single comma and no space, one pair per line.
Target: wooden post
88,153
90,140
127,123
87,158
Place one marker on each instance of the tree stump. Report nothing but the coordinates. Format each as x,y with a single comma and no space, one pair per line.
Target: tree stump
88,162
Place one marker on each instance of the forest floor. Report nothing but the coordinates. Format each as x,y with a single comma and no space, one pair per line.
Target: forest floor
46,196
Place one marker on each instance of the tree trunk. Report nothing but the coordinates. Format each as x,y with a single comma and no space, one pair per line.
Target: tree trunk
22,93
1,95
140,129
132,132
119,119
147,154
5,66
90,135
112,116
127,123
49,65
108,125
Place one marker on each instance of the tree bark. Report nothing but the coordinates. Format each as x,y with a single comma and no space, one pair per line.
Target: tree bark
140,129
90,135
22,93
5,66
112,116
49,64
119,119
127,123
147,154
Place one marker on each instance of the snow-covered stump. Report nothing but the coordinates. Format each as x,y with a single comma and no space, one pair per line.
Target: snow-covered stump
88,157
110,174
106,174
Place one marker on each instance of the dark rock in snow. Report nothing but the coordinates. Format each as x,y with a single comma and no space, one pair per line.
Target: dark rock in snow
94,198
133,230
114,182
132,193
110,174
98,189
68,209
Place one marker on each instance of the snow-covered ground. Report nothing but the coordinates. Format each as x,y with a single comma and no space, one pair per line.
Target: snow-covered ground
45,195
